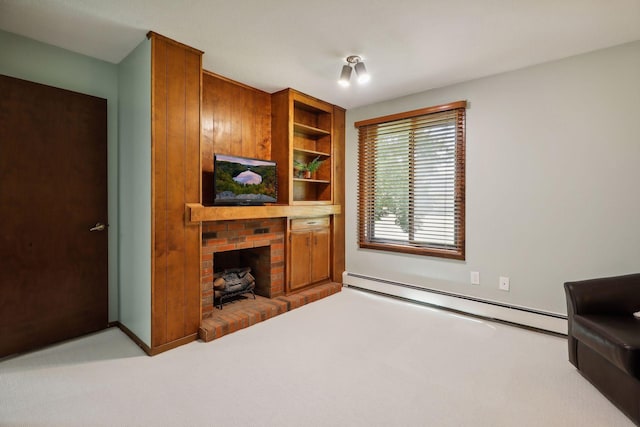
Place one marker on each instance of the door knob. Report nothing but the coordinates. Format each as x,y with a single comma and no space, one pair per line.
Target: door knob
98,227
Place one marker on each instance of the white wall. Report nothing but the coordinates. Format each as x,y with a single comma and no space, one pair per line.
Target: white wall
134,190
553,175
42,63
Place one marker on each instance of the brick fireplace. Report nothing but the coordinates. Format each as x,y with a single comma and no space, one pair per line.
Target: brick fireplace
258,243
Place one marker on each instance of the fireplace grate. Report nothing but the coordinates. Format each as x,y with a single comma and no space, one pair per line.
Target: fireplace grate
231,284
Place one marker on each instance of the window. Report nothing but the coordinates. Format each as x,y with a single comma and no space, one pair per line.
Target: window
411,181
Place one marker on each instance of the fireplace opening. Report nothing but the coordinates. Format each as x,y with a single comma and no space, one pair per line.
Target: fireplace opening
257,264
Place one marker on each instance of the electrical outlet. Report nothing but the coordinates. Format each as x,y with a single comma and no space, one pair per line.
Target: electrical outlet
475,277
504,284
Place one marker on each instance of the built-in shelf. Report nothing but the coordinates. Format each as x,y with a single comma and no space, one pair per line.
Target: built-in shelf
304,129
309,130
195,212
317,181
311,152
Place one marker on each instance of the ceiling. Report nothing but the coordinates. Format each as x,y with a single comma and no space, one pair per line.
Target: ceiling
408,45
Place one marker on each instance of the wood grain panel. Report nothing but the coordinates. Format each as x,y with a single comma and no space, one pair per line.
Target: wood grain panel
208,103
263,124
300,243
158,191
176,174
222,118
199,213
235,129
306,117
216,108
338,245
320,255
221,141
281,134
176,171
248,124
193,191
236,121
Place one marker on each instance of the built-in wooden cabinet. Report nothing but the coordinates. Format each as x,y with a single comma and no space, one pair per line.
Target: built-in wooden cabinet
196,114
309,252
302,130
175,181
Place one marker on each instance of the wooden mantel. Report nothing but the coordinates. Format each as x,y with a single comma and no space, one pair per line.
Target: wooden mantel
196,213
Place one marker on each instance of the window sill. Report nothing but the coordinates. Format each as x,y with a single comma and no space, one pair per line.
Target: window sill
439,253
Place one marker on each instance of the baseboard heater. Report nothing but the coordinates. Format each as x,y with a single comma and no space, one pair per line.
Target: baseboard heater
537,319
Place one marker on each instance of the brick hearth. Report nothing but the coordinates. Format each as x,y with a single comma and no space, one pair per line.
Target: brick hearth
262,242
242,314
224,236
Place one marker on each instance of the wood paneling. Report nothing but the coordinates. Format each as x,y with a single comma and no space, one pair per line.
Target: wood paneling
193,191
309,252
158,191
320,259
338,247
176,147
176,76
198,213
236,120
194,115
300,242
281,134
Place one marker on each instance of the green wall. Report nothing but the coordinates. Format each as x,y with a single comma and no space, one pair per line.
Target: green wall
134,191
38,62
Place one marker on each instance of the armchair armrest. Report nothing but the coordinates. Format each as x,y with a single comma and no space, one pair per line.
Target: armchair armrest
618,295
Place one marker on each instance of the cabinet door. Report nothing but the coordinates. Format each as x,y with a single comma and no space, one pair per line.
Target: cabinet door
300,262
320,255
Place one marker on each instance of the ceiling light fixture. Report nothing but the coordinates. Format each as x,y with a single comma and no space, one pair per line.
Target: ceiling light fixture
345,76
361,71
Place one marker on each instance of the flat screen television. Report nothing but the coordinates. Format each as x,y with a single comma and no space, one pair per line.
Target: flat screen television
244,181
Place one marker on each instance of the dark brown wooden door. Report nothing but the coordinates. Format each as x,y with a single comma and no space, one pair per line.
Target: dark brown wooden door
53,189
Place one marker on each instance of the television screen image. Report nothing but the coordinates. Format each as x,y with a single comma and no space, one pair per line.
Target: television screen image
244,181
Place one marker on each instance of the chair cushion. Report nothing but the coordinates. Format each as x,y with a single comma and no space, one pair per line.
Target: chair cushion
616,338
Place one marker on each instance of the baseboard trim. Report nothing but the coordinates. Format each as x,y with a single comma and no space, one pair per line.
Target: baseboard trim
133,337
173,344
523,316
152,351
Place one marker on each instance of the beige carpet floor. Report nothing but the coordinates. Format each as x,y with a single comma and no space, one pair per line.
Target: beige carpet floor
352,359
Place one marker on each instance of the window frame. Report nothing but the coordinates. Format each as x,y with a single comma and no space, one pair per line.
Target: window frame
365,174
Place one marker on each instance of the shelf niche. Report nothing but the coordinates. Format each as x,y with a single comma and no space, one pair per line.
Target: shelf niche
305,125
